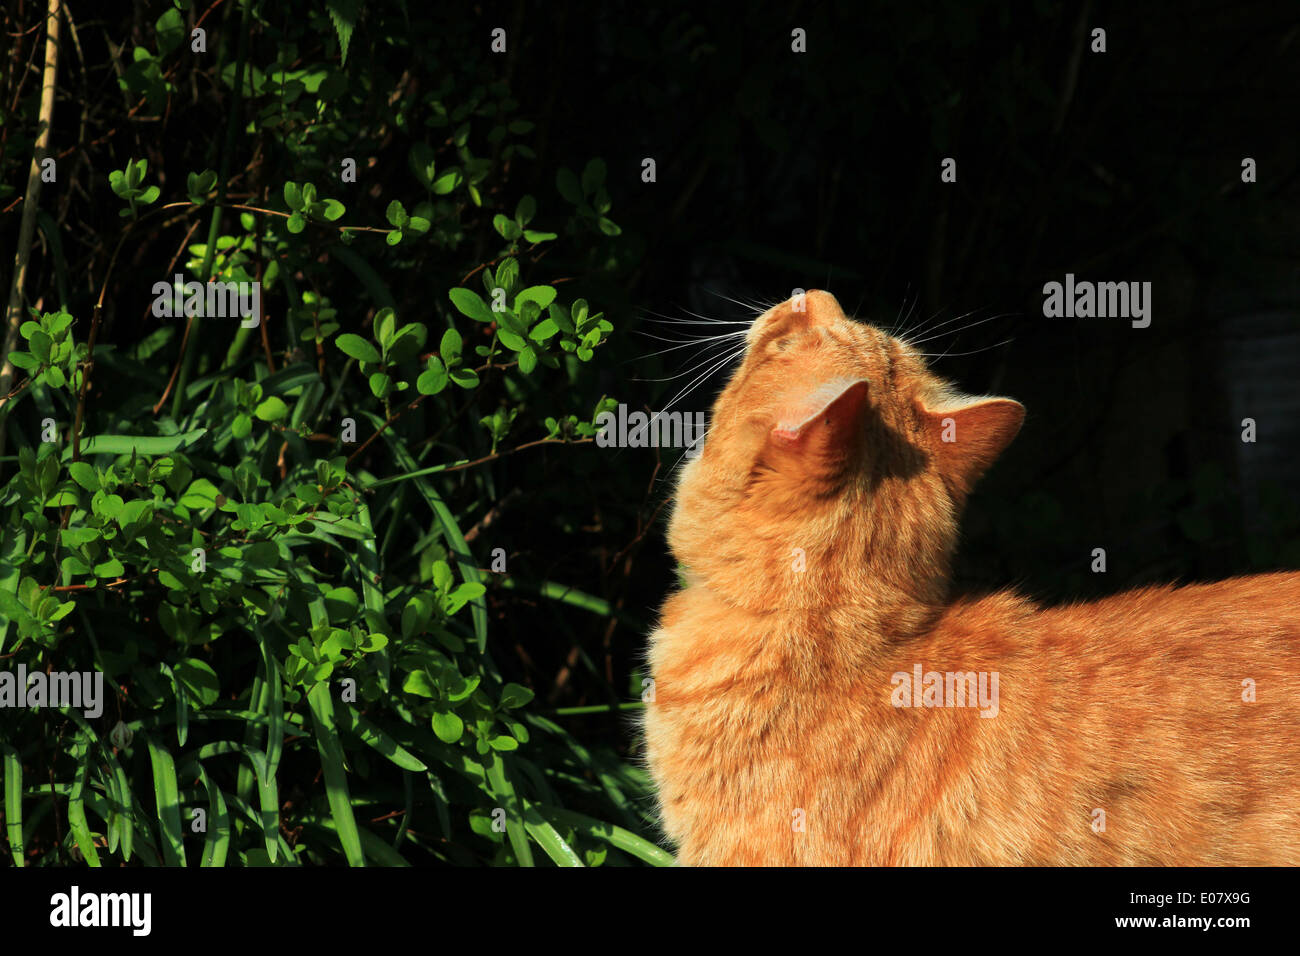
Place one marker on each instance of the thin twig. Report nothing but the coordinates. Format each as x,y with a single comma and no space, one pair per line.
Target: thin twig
27,227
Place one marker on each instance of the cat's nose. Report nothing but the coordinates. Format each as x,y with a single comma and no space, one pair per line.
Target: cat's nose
819,306
800,312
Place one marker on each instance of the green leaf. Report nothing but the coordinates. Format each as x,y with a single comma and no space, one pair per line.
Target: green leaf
271,409
471,304
566,181
515,695
593,175
434,379
448,726
41,345
451,346
464,377
112,568
506,227
510,340
343,13
199,680
527,360
357,347
84,475
447,182
543,295
200,494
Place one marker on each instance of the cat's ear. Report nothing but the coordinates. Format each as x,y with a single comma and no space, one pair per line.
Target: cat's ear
823,425
967,434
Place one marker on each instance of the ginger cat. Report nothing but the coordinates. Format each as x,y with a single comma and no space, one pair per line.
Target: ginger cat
810,677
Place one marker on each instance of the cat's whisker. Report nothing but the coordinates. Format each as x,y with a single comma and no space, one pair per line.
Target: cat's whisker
915,328
725,360
695,341
906,321
757,309
705,348
933,336
706,323
933,329
668,378
659,319
702,377
960,354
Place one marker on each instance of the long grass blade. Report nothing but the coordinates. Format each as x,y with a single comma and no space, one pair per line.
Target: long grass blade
13,768
624,840
504,791
336,780
166,793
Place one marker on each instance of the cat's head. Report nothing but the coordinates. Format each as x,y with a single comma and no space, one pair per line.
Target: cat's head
835,467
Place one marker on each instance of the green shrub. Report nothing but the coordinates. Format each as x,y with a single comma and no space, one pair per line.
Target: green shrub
257,532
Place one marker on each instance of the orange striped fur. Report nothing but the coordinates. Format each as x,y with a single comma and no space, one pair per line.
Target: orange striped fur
816,530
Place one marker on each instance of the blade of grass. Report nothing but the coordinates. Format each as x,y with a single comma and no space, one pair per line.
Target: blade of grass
440,804
504,791
374,847
121,819
13,768
217,844
268,791
371,593
286,855
167,799
377,739
182,705
548,838
77,814
625,840
273,700
336,781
